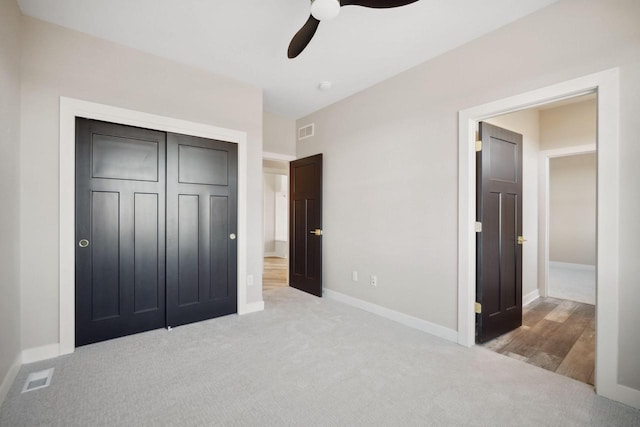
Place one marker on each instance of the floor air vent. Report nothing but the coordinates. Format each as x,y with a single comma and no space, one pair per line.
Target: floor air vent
37,380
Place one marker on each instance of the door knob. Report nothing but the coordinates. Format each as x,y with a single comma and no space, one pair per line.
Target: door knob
521,240
316,232
232,236
83,243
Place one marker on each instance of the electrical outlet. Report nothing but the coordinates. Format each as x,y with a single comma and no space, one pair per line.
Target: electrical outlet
354,276
374,281
250,280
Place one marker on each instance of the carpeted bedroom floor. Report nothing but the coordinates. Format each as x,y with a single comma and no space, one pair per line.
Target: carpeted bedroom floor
304,361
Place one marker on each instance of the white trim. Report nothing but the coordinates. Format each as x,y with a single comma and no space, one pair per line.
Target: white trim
530,297
36,354
72,108
572,266
277,156
606,84
271,254
396,316
10,377
543,206
252,307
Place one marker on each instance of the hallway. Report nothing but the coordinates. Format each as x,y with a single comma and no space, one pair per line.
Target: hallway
556,335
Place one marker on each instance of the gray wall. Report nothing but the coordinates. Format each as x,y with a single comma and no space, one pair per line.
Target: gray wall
59,62
572,209
279,134
9,181
391,156
568,125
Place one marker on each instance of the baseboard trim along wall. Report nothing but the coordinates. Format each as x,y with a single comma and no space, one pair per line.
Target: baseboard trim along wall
396,316
7,382
36,354
251,308
530,297
572,266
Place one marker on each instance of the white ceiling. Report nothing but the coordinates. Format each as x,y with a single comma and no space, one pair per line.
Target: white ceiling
248,39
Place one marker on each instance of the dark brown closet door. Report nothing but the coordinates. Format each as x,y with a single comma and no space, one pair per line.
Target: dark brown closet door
202,188
120,230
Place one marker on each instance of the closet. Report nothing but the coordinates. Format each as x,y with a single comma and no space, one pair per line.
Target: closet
156,217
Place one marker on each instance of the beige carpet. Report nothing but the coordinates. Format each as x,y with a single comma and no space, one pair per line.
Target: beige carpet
304,361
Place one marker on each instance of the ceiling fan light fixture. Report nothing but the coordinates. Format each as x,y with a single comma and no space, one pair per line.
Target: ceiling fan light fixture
325,9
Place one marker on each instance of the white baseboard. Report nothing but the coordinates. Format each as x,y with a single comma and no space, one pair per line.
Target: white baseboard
572,265
621,393
7,382
530,297
405,319
37,354
251,308
270,254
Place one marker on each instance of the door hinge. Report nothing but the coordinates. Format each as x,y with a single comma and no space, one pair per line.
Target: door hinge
479,145
478,308
478,227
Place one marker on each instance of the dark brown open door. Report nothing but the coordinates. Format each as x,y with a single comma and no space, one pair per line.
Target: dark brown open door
499,252
305,225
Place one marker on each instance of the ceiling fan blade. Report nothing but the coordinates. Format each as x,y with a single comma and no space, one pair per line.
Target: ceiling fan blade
303,37
377,4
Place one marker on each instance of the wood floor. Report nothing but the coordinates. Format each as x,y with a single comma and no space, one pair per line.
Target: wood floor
275,273
557,335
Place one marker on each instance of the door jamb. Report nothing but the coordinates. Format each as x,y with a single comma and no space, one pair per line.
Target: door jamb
543,207
606,84
70,109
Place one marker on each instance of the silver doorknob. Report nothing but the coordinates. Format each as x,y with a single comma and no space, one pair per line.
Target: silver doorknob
232,236
83,243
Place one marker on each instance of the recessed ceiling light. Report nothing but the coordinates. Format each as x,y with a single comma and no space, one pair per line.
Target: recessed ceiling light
325,85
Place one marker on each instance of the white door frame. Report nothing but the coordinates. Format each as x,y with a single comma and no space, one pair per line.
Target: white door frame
543,204
72,108
606,85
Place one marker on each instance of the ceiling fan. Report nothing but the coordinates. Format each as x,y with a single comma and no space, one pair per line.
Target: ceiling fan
327,9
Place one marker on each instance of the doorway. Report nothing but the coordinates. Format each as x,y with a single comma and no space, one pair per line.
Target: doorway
276,224
558,321
606,85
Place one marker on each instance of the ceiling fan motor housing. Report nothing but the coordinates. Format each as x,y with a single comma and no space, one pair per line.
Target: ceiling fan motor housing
325,9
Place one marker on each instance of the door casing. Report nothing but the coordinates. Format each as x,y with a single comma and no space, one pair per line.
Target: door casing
543,205
606,85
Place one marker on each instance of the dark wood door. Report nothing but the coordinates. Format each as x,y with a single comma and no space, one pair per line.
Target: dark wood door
499,254
120,230
202,187
305,228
